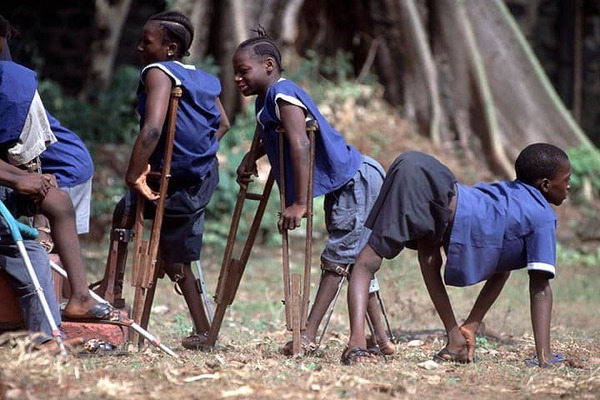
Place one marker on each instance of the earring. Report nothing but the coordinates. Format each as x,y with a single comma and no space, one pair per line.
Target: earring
170,54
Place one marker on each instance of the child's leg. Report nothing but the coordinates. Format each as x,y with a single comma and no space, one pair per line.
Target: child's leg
325,293
184,277
430,260
120,235
381,335
367,263
59,210
488,295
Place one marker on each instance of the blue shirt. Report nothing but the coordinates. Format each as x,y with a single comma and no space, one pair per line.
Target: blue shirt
198,119
17,88
67,159
335,161
500,227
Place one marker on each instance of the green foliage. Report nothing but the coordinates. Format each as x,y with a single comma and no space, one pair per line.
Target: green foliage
570,256
585,173
110,117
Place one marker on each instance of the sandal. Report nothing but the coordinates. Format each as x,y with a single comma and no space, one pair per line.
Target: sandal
48,243
197,341
102,313
446,355
308,347
359,355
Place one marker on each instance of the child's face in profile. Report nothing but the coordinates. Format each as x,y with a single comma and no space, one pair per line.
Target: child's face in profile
555,190
153,45
252,75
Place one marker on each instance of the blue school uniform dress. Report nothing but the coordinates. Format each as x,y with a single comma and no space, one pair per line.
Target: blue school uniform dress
349,180
500,227
67,159
198,119
335,161
194,166
17,88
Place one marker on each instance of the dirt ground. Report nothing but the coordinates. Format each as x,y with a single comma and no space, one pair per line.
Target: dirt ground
248,364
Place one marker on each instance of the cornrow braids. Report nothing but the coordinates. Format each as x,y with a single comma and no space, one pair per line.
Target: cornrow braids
263,45
178,28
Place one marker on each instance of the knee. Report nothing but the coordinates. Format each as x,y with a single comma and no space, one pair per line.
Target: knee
175,271
340,270
57,205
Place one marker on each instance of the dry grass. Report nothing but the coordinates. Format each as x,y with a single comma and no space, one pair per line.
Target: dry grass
249,363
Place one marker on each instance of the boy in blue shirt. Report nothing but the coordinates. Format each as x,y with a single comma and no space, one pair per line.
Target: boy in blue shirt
486,231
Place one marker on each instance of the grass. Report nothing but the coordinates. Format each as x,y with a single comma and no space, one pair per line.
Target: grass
249,364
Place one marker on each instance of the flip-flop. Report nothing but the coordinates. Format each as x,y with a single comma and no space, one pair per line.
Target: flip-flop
101,313
556,358
446,355
358,355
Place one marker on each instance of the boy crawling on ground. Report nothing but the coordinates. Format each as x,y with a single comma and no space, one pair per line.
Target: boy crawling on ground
486,230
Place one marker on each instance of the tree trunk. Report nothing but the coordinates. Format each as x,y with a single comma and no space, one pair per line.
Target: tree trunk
108,22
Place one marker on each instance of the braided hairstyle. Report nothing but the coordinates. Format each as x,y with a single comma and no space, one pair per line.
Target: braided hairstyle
177,28
538,161
263,46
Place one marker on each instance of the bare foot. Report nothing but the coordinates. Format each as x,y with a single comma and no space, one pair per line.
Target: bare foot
471,340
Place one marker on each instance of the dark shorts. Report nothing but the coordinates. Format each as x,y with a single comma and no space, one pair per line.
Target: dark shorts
412,205
183,221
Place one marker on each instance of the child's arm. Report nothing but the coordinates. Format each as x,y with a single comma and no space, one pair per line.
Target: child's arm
294,124
247,168
26,183
224,125
158,92
540,294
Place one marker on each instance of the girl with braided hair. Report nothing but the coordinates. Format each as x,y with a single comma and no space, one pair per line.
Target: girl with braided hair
200,123
349,180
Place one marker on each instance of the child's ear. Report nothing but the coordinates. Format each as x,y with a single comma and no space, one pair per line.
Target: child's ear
270,64
173,49
545,185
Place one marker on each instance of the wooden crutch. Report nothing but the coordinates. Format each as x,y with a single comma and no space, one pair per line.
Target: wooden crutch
296,295
146,269
232,268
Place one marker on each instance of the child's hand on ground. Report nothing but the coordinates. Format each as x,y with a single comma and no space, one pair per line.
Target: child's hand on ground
555,360
291,218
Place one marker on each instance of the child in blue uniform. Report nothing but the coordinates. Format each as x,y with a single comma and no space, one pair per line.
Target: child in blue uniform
24,134
200,123
349,180
486,230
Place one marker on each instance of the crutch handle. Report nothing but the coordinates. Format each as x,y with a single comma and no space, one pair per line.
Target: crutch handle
17,229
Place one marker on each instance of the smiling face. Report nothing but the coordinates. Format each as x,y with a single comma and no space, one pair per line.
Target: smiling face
555,190
153,45
253,74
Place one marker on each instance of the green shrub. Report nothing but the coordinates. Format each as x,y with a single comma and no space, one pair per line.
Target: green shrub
110,117
585,173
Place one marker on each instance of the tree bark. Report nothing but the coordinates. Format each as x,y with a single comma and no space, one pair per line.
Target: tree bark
108,23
